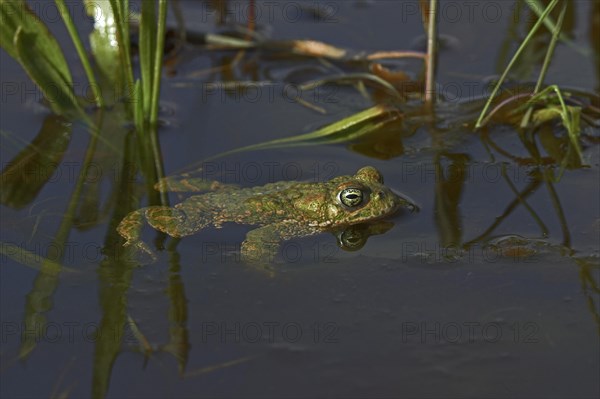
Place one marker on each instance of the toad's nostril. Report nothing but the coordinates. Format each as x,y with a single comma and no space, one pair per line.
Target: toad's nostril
412,208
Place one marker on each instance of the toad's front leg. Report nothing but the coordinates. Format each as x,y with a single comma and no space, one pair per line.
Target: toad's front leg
262,244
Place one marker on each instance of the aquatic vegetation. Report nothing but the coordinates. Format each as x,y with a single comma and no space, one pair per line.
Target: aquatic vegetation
387,112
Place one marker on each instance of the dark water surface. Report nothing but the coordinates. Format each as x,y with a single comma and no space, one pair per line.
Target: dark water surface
445,304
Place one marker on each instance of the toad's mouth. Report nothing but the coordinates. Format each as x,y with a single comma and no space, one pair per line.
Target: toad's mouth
406,202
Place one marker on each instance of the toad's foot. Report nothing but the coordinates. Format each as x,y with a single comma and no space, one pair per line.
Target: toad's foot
130,229
171,221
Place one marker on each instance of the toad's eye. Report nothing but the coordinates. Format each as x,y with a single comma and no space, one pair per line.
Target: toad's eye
351,197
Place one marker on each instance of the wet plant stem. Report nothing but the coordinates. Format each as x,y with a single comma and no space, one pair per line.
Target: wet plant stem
431,53
546,64
68,21
121,11
513,60
158,54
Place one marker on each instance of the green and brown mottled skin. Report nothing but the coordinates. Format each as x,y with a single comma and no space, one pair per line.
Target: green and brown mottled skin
282,211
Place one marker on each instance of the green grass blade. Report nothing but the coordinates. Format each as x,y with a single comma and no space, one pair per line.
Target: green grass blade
120,9
546,64
64,13
351,77
158,55
526,41
570,116
344,130
104,42
48,69
15,14
147,45
536,6
27,39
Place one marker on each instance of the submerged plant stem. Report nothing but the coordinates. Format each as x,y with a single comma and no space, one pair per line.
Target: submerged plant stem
523,201
67,221
526,192
558,208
